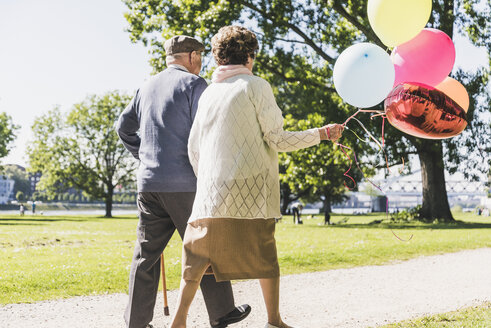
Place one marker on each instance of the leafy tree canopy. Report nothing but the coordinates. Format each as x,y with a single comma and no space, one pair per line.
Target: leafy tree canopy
300,41
81,149
7,133
319,170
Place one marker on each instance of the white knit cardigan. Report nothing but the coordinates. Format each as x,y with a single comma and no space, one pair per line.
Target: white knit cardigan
233,148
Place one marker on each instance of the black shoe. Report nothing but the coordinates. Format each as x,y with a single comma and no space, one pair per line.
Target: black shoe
236,315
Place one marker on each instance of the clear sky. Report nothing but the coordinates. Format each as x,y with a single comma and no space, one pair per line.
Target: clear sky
56,52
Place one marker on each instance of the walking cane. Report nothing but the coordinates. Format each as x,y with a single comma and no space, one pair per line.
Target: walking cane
164,285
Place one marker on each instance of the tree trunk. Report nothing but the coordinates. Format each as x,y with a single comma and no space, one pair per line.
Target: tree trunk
435,200
109,201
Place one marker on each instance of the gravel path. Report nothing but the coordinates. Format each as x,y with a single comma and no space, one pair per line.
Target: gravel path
359,297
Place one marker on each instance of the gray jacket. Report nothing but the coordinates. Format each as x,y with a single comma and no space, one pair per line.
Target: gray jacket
155,129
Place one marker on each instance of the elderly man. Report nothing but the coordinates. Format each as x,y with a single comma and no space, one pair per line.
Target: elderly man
163,111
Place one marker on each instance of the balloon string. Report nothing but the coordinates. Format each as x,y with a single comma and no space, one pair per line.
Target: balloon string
404,240
369,134
357,164
381,114
401,170
349,169
383,144
377,142
360,111
386,199
359,138
349,118
359,168
383,125
387,163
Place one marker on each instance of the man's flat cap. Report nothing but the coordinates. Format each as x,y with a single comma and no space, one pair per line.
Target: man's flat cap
182,43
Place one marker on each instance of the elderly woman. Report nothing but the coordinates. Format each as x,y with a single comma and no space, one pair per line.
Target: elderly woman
233,148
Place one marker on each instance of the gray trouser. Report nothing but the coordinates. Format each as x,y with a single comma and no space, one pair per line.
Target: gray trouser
161,213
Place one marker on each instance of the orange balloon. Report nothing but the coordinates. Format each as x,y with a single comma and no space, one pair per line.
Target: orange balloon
455,90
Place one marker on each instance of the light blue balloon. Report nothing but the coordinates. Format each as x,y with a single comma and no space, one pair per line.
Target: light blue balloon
363,75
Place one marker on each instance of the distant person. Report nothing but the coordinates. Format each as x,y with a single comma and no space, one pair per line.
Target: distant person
297,213
22,209
33,207
163,111
327,217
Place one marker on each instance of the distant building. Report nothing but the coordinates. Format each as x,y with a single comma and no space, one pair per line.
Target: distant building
405,191
6,189
34,179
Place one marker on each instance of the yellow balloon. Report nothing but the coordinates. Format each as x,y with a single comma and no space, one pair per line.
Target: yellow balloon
455,90
398,21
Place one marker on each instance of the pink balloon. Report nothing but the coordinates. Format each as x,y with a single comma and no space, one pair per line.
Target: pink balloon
427,58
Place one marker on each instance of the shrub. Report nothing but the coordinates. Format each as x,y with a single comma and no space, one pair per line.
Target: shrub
406,215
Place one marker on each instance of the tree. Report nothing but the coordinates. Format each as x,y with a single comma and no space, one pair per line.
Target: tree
82,149
299,78
20,196
72,198
65,197
37,196
318,170
20,177
300,41
7,133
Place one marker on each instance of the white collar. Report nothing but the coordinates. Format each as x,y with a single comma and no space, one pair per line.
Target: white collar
178,67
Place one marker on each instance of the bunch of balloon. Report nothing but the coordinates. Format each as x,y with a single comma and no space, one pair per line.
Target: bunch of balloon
424,101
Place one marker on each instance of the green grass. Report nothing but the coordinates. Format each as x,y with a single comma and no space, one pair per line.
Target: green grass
49,257
472,317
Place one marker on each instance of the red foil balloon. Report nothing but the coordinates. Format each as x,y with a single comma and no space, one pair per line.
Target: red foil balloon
423,111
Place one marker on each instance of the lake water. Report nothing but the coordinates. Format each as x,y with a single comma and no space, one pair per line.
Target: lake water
100,212
130,212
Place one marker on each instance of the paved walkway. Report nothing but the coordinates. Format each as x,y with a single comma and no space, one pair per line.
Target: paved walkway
359,297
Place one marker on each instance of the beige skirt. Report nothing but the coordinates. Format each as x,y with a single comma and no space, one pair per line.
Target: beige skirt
234,248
